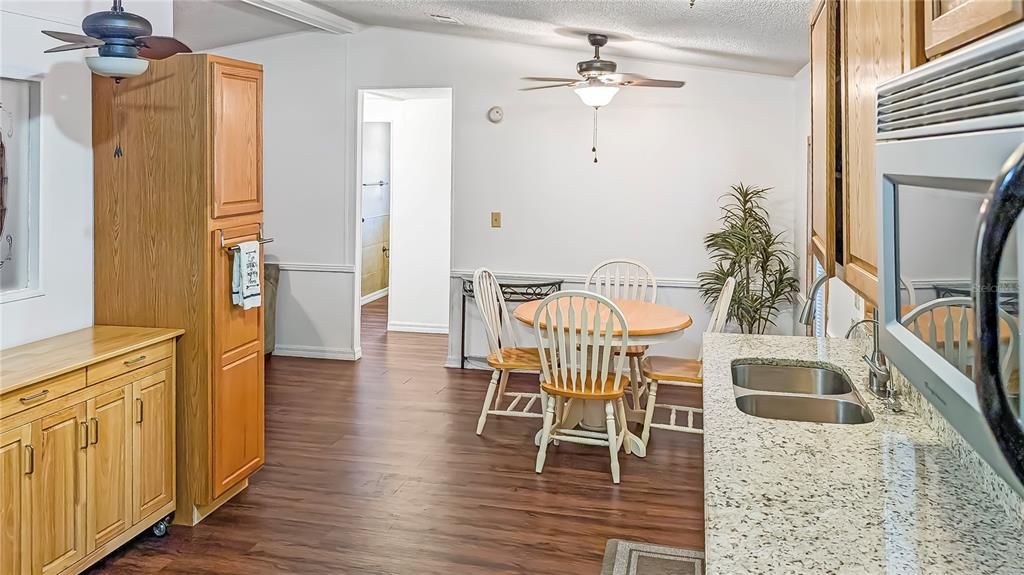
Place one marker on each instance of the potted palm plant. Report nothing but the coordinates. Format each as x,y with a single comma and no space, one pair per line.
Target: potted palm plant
746,248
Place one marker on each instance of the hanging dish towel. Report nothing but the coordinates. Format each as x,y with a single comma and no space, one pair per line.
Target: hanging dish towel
245,275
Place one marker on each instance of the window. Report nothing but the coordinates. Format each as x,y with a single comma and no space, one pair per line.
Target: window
19,189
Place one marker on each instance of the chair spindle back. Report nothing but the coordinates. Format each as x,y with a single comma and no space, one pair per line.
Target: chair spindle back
952,318
623,279
494,312
576,334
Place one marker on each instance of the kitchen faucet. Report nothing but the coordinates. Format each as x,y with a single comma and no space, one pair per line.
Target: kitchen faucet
807,311
879,376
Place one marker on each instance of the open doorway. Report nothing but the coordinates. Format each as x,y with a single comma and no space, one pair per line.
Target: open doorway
404,217
376,211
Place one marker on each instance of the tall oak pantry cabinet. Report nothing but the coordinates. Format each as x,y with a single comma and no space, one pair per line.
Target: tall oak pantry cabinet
187,185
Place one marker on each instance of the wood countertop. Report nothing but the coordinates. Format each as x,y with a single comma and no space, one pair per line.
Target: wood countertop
48,358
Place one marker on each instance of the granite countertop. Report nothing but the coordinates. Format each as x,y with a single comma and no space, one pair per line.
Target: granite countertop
882,497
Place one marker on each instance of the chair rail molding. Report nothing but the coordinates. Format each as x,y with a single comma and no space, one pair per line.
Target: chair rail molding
312,267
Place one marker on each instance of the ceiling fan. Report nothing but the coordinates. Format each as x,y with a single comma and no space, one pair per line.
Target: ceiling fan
600,81
124,41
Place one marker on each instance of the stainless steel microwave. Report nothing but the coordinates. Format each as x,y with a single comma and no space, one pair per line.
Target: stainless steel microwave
950,168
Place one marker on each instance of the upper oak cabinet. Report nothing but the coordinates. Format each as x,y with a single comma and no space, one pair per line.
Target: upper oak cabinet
237,140
825,130
187,189
872,52
863,43
949,24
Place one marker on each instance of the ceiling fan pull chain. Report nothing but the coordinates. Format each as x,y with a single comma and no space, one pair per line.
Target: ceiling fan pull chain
117,120
594,148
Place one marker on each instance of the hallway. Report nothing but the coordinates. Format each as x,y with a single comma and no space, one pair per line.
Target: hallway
373,467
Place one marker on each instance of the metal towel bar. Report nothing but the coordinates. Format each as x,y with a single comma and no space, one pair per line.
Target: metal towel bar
234,248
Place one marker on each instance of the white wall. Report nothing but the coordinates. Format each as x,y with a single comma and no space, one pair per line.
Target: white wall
802,131
304,189
418,298
66,180
666,156
845,308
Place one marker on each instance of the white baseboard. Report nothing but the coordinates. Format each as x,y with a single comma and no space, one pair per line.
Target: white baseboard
373,296
414,327
316,352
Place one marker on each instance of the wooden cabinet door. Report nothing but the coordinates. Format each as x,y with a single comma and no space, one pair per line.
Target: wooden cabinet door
58,501
233,327
824,134
873,53
237,140
108,467
237,420
949,24
237,409
17,462
152,436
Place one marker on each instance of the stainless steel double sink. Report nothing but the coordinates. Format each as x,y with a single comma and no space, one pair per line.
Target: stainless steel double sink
797,392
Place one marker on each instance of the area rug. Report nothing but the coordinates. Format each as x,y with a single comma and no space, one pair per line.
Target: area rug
635,558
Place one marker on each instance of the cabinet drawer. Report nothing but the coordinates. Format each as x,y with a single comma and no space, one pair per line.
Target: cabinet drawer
39,393
129,361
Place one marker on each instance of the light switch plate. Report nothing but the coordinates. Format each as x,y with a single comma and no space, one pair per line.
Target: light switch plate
495,219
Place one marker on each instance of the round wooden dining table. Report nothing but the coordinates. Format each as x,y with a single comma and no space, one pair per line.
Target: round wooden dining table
647,324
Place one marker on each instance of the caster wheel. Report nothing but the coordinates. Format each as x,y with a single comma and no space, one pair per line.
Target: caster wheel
160,528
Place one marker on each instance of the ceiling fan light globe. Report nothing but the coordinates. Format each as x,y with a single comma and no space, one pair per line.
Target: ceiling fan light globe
596,96
113,67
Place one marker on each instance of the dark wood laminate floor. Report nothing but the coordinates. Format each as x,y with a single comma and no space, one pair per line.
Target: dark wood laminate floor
373,467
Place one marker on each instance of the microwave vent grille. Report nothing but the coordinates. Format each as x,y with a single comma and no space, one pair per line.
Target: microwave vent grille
979,88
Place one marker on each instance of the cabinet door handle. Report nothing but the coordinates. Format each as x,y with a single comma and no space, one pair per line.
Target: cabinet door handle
129,362
30,460
83,435
94,430
138,404
34,396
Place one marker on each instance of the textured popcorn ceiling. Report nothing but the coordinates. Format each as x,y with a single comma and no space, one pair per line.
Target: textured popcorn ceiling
768,36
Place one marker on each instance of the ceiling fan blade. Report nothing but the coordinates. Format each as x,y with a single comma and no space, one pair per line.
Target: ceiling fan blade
67,47
624,79
546,79
548,86
73,38
159,47
649,83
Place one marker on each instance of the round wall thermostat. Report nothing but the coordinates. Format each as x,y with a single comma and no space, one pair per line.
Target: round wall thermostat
495,114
